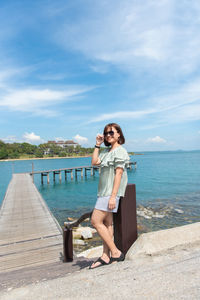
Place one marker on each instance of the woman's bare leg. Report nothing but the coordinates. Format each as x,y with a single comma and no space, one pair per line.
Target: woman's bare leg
97,220
108,222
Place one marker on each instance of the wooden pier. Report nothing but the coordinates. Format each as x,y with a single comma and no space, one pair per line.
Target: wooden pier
72,171
29,234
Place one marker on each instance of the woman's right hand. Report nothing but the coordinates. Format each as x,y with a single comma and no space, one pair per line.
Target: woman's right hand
99,139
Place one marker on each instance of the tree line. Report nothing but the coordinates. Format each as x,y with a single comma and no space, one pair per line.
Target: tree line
26,150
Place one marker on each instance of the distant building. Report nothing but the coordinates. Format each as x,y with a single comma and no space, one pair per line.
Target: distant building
64,144
48,151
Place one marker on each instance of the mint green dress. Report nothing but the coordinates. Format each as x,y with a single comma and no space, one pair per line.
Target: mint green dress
110,160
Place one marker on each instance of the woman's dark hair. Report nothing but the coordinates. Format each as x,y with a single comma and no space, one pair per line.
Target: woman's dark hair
118,128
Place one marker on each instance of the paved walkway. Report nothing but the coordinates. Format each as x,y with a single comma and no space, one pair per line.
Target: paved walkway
29,234
173,274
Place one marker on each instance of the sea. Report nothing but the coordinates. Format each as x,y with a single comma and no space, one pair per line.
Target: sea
167,187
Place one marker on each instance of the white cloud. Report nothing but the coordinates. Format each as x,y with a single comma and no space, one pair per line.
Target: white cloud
139,34
187,94
182,114
7,73
179,106
122,115
157,139
32,137
59,139
9,139
38,100
81,139
99,68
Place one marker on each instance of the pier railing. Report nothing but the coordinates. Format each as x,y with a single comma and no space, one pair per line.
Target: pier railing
72,171
68,236
124,222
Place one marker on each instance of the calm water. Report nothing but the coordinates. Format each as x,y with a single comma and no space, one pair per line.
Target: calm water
167,184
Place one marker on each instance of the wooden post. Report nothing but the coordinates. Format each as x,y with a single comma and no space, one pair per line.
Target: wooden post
42,178
54,176
71,174
32,172
92,171
99,170
48,178
76,171
85,172
60,176
67,245
81,172
65,175
125,220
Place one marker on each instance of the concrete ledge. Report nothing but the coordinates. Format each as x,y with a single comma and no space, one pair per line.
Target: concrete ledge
152,243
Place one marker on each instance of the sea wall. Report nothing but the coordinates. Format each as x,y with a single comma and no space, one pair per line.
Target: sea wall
152,243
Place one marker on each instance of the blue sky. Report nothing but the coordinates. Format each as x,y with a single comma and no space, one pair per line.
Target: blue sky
67,68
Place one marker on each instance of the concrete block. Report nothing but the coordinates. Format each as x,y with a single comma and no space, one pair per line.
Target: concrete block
152,243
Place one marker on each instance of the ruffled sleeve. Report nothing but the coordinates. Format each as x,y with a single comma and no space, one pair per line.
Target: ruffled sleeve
118,158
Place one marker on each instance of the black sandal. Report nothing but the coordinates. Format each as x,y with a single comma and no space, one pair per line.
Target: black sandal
117,259
103,263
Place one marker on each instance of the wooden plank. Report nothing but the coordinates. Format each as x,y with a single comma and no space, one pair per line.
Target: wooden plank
29,234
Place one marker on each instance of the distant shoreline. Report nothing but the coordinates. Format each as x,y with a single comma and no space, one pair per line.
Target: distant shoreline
43,158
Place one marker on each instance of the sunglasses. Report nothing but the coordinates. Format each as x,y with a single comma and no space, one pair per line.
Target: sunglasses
111,133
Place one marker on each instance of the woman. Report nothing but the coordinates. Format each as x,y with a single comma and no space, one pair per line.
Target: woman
112,185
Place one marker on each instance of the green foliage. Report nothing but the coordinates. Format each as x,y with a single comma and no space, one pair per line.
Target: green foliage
14,155
39,153
62,154
3,153
2,144
26,150
3,150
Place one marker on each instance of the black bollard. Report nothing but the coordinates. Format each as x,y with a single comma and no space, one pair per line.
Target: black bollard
125,220
67,245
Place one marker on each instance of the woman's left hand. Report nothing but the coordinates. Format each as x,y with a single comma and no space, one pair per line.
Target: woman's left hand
112,203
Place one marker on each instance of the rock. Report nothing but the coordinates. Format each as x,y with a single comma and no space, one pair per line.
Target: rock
79,242
86,232
142,228
149,213
93,230
87,220
70,219
180,211
82,232
93,252
157,215
76,235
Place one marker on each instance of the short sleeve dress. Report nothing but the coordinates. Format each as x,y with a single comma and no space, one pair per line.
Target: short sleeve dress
110,160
